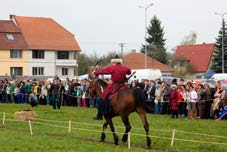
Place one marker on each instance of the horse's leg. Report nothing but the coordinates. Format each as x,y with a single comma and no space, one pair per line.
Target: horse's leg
143,117
110,122
127,128
103,135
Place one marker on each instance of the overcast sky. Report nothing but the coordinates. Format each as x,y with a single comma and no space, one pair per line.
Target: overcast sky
100,25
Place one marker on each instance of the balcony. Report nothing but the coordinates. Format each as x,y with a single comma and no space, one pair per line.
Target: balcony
64,62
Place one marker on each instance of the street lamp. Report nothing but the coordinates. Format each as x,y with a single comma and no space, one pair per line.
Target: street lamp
145,35
223,35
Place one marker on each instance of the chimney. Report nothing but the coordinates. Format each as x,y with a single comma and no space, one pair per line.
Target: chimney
11,16
133,51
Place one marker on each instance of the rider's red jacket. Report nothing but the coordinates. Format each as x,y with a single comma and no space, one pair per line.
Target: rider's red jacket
118,74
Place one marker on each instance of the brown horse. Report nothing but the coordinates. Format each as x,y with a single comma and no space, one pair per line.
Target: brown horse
123,103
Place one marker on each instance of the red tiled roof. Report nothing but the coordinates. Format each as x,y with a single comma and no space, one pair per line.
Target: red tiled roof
46,34
136,61
8,27
199,55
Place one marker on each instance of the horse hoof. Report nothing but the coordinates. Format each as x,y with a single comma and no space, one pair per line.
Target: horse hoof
149,147
124,139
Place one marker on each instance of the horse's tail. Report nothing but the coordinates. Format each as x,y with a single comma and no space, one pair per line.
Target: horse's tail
140,98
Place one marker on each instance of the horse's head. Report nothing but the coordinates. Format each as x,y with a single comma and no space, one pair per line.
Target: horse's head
97,87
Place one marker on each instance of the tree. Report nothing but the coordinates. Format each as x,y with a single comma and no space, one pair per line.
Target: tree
190,39
182,67
85,62
156,42
217,55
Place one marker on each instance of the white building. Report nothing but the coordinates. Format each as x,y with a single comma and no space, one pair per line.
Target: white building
51,49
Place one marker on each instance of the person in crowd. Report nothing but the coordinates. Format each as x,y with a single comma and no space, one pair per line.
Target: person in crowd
4,86
223,113
173,100
201,101
181,83
174,81
8,96
35,89
22,91
66,86
218,101
48,96
61,91
151,93
158,98
134,84
27,91
79,94
165,94
12,87
86,90
207,97
141,83
192,103
43,94
181,99
33,100
17,93
187,99
146,88
55,91
99,115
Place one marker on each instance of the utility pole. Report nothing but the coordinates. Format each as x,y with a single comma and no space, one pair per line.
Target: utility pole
122,45
223,49
145,34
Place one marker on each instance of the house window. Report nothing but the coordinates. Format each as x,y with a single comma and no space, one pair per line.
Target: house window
63,55
10,37
38,54
15,53
38,71
64,71
16,71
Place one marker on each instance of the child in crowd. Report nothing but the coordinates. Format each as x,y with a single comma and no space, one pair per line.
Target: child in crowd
173,100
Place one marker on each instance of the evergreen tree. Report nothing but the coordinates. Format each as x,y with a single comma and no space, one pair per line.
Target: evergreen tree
217,56
155,41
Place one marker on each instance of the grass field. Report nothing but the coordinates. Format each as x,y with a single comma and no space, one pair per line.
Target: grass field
54,136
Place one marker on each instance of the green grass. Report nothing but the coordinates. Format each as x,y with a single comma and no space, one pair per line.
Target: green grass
54,136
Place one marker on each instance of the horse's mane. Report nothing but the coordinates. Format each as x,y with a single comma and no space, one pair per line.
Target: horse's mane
102,82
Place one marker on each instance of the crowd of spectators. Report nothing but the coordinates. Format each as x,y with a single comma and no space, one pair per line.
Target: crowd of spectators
180,99
184,99
56,93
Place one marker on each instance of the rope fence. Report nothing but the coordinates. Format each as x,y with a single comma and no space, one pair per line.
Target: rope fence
69,127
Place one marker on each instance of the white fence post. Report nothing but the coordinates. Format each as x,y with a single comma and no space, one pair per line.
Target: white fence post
4,117
30,126
173,137
129,141
70,123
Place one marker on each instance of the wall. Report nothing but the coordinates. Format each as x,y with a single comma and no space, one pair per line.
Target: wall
48,63
6,62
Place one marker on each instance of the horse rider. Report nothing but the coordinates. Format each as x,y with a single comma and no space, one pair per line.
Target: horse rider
118,74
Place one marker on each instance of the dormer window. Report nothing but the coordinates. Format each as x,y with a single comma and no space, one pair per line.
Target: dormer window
10,37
